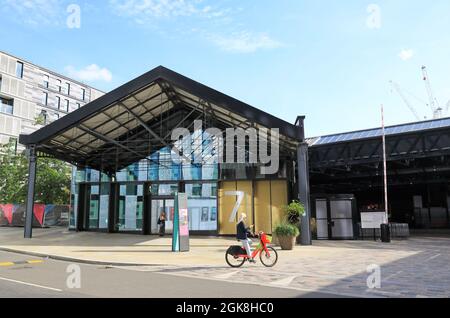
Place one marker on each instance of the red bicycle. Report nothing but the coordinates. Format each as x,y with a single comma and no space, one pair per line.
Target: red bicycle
236,255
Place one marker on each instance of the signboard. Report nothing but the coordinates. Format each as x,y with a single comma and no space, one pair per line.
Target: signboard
373,220
184,222
180,237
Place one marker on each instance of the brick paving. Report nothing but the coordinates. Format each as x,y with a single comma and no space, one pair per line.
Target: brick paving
414,268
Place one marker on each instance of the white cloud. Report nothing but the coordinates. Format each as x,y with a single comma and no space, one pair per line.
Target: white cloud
406,54
145,10
204,18
244,42
34,12
90,73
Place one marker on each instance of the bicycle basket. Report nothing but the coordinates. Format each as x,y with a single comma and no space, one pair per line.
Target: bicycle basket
266,238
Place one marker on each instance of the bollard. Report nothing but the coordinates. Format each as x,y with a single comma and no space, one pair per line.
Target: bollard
385,233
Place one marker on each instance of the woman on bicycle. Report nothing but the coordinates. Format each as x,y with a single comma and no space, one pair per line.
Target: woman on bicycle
243,233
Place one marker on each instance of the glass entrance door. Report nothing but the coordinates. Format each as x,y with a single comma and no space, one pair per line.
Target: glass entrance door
334,218
159,206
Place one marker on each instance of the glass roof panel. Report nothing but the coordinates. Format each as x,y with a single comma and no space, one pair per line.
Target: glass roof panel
372,133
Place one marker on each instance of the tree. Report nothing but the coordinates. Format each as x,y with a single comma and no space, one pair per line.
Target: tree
13,171
52,178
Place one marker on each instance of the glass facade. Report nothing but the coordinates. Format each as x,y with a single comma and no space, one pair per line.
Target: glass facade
160,176
131,207
146,189
202,206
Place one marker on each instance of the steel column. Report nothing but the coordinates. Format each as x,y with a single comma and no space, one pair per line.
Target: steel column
32,161
303,183
303,190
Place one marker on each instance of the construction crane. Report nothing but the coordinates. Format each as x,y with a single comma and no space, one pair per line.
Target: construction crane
405,99
437,111
434,105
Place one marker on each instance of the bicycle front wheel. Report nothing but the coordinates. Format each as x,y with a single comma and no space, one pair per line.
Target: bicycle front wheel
269,258
234,261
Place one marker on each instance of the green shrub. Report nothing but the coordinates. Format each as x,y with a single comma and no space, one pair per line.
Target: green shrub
286,229
294,211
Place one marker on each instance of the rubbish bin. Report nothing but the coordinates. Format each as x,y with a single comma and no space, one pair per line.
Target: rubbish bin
385,233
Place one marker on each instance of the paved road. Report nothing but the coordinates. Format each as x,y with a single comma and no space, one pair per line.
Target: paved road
417,267
49,279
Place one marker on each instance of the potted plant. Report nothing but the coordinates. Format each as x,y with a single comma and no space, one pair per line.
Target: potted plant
294,211
288,230
286,234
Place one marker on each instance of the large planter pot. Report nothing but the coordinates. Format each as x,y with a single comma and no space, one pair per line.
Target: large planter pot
287,242
275,240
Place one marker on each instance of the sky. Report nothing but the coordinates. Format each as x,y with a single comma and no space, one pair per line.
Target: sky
331,61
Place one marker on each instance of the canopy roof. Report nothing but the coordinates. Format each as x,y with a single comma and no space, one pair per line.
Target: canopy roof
416,127
136,119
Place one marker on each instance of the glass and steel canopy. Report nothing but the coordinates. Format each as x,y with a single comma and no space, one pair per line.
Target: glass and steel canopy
136,119
377,132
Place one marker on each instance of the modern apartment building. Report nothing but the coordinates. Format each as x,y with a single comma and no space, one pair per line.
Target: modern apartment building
32,97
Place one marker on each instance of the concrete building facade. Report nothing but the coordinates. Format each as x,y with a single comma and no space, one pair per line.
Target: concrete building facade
32,97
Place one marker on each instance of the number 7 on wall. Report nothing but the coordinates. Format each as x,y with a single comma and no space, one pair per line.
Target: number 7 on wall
240,197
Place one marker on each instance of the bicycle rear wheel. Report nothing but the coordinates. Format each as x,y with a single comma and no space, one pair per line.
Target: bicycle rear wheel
269,258
233,260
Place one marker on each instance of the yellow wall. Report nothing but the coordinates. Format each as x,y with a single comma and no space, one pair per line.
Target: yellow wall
246,204
226,205
262,207
279,199
269,198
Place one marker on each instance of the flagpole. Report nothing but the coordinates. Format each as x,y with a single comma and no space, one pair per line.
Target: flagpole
386,205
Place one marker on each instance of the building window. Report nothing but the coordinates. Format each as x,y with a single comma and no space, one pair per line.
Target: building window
19,69
67,106
59,85
78,105
6,106
45,98
83,94
44,117
67,89
58,102
16,144
46,81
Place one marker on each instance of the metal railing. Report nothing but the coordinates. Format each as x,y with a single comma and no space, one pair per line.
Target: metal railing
397,230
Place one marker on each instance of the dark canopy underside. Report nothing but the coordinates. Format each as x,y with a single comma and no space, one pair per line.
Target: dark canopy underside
136,119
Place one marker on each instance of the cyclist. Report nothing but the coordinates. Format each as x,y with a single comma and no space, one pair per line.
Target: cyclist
243,234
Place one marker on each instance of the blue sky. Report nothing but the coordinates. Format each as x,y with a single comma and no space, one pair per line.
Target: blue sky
329,60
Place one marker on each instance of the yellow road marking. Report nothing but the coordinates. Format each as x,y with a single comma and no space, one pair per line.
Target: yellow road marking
4,264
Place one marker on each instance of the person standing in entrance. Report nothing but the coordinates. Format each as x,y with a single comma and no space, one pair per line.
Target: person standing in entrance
243,233
162,224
